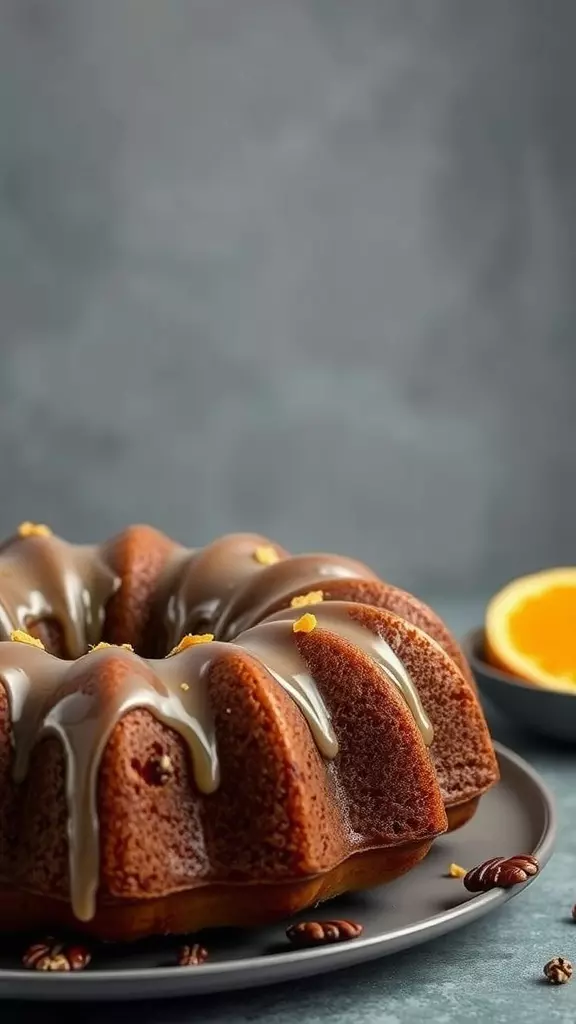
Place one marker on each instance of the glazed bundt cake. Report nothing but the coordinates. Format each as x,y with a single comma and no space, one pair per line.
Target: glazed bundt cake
214,737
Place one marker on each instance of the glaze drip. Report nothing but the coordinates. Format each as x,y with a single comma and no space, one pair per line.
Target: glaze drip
81,702
335,616
84,721
273,645
43,577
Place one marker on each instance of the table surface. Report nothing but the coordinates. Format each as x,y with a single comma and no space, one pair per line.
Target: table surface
491,969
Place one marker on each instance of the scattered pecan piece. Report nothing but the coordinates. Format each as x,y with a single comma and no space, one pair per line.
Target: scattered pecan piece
574,912
56,956
319,933
192,956
558,971
501,873
78,956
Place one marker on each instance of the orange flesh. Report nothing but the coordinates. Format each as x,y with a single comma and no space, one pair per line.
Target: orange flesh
543,627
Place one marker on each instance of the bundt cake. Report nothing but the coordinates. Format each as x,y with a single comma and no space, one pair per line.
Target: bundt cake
215,737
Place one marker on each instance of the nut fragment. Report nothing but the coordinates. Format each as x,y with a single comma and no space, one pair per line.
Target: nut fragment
78,956
34,530
574,912
455,871
190,640
558,971
305,624
38,952
501,873
55,956
18,636
312,597
319,933
192,955
53,962
266,555
161,769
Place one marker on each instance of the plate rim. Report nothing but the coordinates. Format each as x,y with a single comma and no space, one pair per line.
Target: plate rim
232,975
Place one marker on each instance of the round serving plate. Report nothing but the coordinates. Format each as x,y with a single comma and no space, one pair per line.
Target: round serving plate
517,816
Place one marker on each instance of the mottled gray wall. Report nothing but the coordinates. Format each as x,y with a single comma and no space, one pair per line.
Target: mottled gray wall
305,266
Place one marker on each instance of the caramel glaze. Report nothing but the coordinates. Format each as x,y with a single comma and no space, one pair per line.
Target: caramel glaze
45,578
49,696
256,598
198,585
223,588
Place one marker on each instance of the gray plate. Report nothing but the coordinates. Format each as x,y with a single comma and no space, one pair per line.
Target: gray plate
516,817
546,712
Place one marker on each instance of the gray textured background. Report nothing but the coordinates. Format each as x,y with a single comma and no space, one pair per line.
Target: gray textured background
304,266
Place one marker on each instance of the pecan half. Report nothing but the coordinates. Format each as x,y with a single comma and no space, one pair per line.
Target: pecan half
192,955
78,957
558,970
501,873
51,955
319,933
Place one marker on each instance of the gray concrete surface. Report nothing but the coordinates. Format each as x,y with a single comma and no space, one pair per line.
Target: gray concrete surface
304,266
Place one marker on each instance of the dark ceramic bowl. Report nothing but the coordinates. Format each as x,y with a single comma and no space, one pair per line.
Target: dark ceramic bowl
547,712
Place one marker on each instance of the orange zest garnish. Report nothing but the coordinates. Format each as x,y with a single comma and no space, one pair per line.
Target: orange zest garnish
20,637
312,597
191,640
34,530
102,647
455,871
305,624
266,555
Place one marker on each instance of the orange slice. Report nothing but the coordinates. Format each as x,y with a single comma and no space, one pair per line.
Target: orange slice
531,629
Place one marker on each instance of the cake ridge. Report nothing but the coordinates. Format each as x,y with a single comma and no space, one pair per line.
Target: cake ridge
335,616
